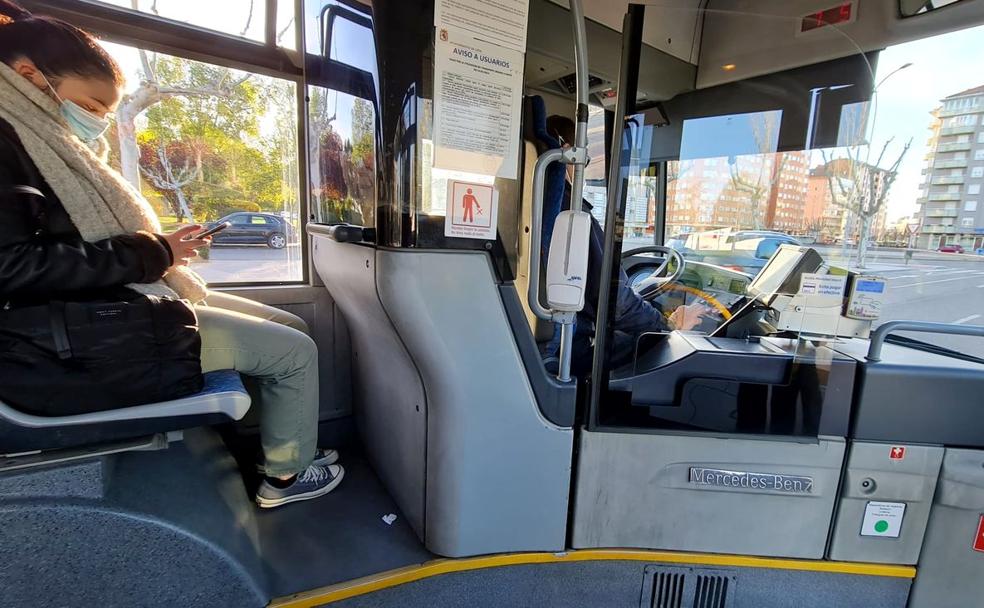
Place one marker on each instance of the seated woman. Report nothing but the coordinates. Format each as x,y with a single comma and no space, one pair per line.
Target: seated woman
96,236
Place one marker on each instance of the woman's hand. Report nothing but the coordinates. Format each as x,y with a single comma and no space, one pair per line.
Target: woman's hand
688,317
183,246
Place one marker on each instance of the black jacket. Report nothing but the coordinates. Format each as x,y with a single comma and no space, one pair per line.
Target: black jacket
43,256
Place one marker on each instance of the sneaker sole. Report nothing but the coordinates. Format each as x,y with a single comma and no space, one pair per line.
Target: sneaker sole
267,503
323,462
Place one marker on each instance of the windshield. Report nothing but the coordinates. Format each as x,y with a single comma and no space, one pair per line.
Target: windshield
874,159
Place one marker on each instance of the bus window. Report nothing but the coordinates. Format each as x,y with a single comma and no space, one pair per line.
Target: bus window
351,41
342,161
245,18
203,142
731,188
904,206
879,173
595,190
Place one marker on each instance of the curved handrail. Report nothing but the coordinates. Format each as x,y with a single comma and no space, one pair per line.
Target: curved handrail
878,337
536,226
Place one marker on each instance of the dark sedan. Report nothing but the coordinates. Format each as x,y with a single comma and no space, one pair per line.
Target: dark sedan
254,229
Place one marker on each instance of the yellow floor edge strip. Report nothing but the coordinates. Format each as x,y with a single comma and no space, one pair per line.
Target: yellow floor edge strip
409,574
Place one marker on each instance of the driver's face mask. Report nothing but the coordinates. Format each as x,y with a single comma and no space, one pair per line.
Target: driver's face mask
84,124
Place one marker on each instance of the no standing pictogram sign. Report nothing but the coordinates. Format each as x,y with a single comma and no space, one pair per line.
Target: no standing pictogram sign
472,210
979,538
897,452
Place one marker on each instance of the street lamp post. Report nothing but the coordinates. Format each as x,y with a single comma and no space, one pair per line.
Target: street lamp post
893,73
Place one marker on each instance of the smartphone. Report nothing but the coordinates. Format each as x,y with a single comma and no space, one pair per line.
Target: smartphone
213,230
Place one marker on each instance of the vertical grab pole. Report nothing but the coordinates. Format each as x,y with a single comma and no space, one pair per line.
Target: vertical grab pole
578,157
628,84
564,356
581,116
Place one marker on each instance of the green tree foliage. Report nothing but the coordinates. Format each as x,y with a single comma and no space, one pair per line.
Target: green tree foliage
342,170
363,147
217,140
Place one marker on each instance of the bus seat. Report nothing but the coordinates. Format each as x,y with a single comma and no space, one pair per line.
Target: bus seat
537,141
553,188
223,398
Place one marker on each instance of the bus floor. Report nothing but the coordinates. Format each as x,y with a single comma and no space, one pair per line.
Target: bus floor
334,538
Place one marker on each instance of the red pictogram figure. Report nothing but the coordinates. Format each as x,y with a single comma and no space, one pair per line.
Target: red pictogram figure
468,203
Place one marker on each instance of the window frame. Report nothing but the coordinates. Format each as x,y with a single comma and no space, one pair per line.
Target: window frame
158,34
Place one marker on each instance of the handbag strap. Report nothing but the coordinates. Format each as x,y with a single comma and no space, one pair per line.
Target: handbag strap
59,331
32,190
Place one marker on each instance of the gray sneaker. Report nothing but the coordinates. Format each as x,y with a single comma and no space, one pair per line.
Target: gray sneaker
322,457
313,482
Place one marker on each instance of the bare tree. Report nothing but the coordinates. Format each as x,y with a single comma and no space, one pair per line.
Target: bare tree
758,186
812,226
757,183
169,179
861,188
152,91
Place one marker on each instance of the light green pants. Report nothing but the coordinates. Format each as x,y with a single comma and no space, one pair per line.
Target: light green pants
272,346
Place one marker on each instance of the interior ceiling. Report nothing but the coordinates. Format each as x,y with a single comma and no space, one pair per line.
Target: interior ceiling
671,25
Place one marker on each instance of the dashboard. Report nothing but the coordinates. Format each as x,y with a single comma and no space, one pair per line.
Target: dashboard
725,285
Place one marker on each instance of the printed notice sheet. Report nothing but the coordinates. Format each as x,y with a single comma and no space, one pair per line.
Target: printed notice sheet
502,22
478,90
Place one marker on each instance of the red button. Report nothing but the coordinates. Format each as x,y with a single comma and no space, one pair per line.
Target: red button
979,539
897,452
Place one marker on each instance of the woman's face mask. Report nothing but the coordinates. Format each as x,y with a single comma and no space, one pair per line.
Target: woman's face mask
84,124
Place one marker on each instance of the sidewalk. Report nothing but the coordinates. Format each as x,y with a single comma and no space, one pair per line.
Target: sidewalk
918,263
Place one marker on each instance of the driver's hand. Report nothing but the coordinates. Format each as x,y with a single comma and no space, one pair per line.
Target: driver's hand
688,317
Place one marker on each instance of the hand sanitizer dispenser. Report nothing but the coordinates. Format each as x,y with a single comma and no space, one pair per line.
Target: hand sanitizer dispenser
567,261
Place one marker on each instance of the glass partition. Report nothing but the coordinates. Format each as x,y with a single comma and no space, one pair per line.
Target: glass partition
803,208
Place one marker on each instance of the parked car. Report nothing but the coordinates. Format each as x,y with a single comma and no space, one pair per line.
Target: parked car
951,248
254,229
744,251
678,242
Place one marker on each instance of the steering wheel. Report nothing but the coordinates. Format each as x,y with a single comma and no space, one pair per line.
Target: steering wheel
653,285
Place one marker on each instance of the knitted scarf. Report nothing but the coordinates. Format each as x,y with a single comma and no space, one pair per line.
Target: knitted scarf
97,198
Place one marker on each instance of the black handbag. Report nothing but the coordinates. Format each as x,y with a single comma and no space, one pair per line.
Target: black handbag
64,358
76,357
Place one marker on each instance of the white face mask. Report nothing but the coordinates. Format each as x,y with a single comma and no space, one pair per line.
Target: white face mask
84,124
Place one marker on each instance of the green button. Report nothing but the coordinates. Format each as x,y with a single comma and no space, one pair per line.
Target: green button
881,526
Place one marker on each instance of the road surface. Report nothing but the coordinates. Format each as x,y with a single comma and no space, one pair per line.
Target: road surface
251,264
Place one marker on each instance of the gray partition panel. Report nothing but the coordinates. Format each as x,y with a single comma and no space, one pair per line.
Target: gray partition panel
390,405
893,484
557,400
498,472
951,570
691,492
